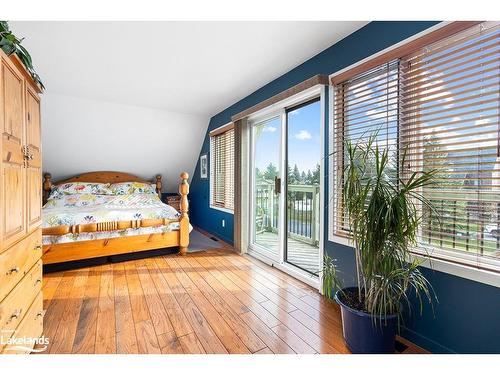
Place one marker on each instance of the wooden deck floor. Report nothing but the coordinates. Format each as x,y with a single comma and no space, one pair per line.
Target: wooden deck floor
299,253
205,302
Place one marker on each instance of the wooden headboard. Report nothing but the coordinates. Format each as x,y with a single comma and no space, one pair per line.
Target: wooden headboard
105,177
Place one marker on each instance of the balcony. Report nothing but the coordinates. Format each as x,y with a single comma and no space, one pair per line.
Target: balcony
302,222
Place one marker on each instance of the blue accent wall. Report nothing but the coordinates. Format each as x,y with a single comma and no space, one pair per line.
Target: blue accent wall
200,213
466,319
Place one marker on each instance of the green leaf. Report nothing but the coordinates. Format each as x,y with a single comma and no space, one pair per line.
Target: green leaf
11,44
384,220
4,26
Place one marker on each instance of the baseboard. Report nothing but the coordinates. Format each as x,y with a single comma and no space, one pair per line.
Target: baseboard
424,342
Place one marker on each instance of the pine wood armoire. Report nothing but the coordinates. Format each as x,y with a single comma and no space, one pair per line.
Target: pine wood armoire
21,301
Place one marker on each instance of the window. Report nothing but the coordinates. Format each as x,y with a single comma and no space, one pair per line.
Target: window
365,104
222,167
440,103
449,122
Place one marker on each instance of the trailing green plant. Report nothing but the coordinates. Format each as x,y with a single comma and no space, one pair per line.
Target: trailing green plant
12,44
331,281
384,208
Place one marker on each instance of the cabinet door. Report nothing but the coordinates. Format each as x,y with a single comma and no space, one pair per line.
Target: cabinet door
34,165
13,184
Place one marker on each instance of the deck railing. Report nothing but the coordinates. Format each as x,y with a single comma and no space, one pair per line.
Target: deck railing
465,225
302,211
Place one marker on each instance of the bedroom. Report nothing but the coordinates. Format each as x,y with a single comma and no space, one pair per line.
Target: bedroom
192,187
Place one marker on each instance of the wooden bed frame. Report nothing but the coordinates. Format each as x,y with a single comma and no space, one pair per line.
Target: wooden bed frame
71,251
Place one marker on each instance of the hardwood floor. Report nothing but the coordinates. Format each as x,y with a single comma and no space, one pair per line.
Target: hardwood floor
206,302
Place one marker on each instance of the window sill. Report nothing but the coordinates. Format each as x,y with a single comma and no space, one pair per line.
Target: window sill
465,271
340,240
461,270
226,210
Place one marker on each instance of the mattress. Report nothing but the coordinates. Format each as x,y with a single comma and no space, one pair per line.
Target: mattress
73,209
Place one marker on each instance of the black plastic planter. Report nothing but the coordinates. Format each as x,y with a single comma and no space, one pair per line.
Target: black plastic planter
361,334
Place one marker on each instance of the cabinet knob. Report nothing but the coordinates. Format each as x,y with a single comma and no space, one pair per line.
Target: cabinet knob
37,247
39,315
13,270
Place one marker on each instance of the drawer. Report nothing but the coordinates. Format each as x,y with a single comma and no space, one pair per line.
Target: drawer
14,307
16,261
29,330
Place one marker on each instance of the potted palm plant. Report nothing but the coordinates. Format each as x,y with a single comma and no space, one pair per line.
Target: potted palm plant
384,215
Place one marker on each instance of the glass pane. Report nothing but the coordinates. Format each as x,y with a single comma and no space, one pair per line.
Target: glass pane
457,135
303,199
266,137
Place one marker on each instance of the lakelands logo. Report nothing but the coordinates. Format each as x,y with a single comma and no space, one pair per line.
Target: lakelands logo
27,344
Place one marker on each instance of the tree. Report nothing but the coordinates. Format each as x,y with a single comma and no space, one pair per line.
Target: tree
291,179
303,177
309,178
315,175
296,174
271,172
435,157
258,174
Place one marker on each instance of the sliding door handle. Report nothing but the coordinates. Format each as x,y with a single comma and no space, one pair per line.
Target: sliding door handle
277,185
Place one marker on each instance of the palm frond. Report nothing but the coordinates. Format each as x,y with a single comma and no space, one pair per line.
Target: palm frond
331,281
384,216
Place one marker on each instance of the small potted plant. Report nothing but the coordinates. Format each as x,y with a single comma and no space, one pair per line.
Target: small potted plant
11,44
383,215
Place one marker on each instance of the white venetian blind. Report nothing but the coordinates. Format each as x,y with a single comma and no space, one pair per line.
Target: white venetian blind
222,168
450,122
364,105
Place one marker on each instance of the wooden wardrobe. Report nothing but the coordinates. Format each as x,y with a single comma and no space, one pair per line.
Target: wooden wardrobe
21,301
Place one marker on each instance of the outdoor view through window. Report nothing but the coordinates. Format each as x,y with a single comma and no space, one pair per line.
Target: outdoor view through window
440,106
302,199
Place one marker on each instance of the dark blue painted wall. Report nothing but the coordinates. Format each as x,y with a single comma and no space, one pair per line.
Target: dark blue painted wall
200,212
466,320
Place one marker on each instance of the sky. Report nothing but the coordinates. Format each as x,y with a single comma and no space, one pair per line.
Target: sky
303,133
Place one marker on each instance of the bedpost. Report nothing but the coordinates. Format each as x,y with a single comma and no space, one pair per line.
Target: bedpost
46,186
184,219
158,185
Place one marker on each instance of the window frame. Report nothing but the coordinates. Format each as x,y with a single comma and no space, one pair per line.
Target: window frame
212,165
470,266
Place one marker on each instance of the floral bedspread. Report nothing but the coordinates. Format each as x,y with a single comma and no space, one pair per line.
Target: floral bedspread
75,209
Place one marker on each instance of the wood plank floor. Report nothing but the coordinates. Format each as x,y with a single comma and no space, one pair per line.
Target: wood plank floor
206,302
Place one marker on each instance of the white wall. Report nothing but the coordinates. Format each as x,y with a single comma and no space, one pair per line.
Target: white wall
80,135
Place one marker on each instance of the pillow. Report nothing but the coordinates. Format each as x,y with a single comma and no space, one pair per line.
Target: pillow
126,188
72,188
77,200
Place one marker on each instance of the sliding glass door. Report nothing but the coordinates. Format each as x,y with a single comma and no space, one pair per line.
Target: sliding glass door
266,177
303,153
285,192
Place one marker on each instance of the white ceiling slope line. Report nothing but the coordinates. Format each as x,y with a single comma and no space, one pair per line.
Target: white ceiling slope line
185,67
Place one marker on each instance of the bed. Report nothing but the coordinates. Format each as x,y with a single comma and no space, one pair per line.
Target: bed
99,214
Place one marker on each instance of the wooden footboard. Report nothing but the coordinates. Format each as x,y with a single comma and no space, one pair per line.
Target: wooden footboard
104,247
71,251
